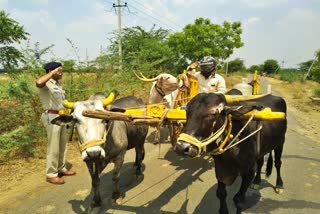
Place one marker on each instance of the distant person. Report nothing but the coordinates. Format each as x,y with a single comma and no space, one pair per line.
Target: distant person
208,80
52,97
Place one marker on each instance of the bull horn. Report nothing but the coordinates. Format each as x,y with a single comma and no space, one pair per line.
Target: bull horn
145,79
240,98
109,99
68,104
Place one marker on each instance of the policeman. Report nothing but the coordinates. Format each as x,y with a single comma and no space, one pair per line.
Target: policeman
52,96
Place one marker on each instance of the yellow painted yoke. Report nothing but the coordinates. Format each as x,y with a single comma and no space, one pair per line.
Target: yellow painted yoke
157,110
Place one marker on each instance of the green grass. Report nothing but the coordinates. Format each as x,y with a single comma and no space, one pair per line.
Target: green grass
4,83
290,76
316,92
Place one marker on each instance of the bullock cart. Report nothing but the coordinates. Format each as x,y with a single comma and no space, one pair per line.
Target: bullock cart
159,115
172,92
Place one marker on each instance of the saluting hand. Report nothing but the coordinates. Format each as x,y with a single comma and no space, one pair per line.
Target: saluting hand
57,72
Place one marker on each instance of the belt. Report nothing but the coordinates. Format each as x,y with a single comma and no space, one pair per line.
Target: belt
50,111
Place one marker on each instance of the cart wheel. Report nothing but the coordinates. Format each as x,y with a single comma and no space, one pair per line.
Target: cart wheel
175,129
173,137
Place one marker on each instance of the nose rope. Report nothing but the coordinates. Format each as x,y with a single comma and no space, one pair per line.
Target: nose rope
200,144
91,143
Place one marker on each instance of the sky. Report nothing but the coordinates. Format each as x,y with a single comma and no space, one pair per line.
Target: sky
285,30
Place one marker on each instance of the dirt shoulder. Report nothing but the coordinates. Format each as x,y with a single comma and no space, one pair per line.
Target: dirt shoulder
20,177
25,176
307,113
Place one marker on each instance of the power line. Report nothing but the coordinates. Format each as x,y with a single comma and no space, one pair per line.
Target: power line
153,12
159,21
140,13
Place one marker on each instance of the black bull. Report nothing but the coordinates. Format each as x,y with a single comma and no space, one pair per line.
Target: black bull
206,114
120,137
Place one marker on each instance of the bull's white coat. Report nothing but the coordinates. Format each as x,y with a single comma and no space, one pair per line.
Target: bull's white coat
89,129
167,84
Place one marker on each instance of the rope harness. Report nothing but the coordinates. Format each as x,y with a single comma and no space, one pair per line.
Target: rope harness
222,147
91,143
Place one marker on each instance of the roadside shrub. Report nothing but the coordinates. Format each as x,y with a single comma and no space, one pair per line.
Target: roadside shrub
316,92
290,75
20,142
20,112
315,73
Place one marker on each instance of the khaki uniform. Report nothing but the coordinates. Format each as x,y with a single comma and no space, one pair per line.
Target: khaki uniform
52,96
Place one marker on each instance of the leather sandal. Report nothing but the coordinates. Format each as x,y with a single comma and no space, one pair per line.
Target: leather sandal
55,180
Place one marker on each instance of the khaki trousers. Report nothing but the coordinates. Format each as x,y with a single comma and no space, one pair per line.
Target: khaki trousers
56,150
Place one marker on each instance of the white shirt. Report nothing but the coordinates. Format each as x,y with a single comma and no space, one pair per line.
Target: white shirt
214,83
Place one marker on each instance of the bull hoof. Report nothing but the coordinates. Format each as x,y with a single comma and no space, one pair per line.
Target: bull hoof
278,190
255,186
118,201
139,178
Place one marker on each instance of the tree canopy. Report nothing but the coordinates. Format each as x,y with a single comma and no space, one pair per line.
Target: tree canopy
205,38
236,65
144,50
10,32
271,66
254,68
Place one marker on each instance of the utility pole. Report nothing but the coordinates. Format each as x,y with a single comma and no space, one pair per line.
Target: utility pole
227,68
315,59
119,30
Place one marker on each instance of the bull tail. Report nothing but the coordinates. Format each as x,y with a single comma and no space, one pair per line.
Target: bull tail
269,165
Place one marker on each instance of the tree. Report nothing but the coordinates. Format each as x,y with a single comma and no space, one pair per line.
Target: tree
271,66
32,57
236,65
205,38
10,32
254,68
143,50
315,70
304,66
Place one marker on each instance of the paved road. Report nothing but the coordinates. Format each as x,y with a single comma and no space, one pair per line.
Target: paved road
175,185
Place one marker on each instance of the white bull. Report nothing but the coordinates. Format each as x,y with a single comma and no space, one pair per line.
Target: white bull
164,89
102,141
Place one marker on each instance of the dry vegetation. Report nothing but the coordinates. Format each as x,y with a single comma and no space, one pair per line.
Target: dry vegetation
297,96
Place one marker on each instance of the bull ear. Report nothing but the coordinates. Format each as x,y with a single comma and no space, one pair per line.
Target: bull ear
62,120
